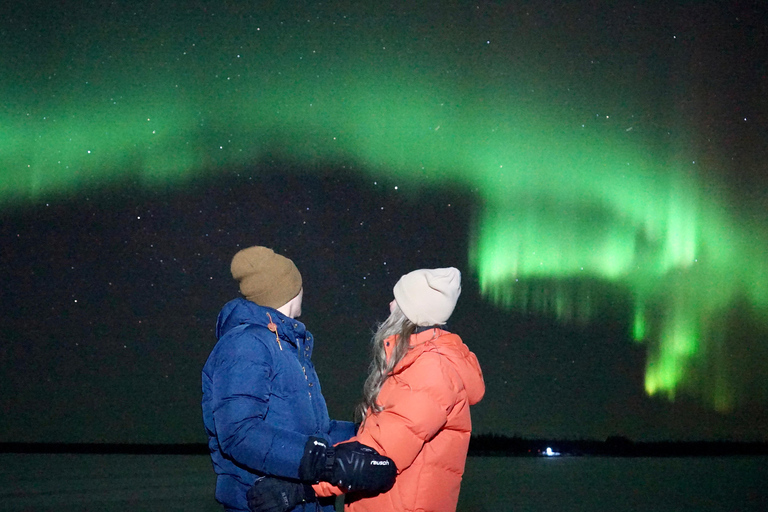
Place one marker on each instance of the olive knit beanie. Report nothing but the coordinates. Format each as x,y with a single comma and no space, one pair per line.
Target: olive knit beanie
266,278
428,296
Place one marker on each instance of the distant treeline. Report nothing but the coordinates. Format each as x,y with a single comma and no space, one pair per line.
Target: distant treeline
480,445
616,446
105,448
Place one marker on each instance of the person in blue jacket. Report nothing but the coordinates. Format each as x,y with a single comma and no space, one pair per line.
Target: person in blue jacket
263,409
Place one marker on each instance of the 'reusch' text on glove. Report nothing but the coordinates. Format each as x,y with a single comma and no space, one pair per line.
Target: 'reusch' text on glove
360,468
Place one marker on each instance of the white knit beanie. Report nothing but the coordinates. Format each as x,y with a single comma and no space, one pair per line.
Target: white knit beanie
428,296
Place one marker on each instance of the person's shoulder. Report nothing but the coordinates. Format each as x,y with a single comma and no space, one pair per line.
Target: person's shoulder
246,331
246,339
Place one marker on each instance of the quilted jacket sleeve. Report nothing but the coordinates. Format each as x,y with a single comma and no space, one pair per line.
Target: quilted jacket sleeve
241,391
341,431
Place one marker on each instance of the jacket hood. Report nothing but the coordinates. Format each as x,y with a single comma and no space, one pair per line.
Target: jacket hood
452,348
235,312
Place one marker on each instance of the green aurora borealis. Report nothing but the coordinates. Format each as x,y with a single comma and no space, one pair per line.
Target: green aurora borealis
590,190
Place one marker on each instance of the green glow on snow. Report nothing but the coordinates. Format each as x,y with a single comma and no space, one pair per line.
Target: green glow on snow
572,199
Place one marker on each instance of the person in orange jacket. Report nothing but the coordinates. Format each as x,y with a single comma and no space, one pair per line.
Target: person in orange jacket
422,381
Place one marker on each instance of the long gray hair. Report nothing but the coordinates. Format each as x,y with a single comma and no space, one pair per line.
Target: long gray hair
380,370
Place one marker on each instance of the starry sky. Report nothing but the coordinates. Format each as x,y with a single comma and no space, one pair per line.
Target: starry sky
595,169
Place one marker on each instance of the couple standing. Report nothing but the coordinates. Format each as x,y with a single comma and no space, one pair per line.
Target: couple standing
271,441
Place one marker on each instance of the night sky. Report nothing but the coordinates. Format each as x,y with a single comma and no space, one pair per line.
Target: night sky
595,169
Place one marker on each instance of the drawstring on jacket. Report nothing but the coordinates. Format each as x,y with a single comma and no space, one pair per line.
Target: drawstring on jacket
272,326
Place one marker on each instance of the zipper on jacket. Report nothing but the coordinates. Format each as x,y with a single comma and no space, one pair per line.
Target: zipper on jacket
302,351
309,384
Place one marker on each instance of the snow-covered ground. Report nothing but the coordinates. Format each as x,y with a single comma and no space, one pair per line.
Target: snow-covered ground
167,483
106,483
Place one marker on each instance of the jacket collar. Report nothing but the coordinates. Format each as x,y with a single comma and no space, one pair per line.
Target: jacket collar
241,311
292,330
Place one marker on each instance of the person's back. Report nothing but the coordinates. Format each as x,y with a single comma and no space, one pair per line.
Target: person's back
263,409
425,424
262,401
417,396
259,405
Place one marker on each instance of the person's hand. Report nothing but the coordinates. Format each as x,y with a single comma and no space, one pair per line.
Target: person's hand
276,495
352,467
361,468
317,462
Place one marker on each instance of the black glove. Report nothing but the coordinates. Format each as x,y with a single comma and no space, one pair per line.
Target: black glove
317,462
351,466
361,468
275,495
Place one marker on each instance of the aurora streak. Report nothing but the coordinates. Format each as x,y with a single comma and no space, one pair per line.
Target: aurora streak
578,206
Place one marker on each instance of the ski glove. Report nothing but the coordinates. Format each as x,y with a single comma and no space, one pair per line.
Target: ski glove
360,468
352,467
275,495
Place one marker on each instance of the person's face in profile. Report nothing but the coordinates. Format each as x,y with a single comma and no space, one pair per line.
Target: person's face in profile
297,305
292,308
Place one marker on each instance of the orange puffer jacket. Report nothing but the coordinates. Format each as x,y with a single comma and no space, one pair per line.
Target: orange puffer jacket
425,425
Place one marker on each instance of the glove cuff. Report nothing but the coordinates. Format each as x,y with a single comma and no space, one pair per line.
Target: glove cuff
326,474
317,461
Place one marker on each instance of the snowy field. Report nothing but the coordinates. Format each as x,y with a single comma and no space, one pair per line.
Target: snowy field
143,483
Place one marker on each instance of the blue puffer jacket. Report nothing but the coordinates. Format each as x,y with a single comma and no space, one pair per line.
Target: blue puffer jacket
262,401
